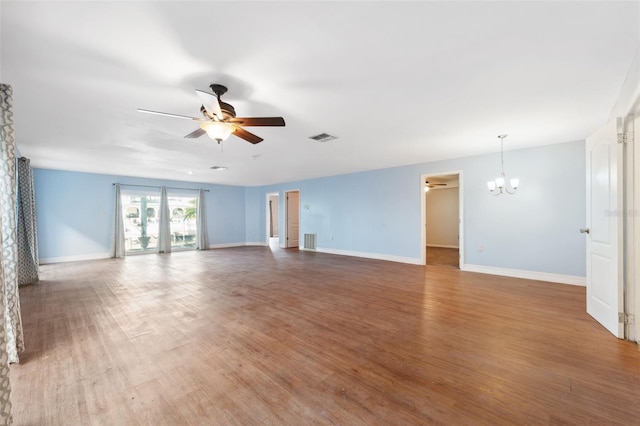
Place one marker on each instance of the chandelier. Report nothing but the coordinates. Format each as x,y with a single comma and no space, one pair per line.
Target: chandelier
498,186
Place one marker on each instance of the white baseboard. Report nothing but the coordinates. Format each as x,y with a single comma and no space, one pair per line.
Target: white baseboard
227,245
256,243
530,275
377,256
442,246
95,256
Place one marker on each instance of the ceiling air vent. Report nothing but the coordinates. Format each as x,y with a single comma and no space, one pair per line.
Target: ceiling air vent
323,137
220,168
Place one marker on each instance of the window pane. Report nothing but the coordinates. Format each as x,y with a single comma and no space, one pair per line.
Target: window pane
141,221
183,221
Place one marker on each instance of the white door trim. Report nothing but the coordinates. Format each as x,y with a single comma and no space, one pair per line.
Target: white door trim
268,214
633,269
423,214
632,223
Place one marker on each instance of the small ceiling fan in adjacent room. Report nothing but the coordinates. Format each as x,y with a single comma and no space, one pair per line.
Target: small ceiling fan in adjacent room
428,185
219,118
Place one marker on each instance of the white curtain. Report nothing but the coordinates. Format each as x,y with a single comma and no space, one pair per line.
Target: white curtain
13,321
28,262
9,301
117,240
164,230
202,242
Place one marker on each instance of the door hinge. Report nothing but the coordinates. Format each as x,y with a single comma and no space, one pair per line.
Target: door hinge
626,318
622,138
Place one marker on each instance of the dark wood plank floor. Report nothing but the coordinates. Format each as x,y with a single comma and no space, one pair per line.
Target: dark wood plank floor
255,336
442,256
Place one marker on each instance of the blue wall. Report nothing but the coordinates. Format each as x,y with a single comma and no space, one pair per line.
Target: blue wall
379,212
75,212
376,213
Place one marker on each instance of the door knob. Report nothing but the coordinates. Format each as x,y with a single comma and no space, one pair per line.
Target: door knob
584,230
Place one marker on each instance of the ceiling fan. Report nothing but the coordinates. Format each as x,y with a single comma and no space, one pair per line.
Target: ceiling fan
220,119
433,184
428,185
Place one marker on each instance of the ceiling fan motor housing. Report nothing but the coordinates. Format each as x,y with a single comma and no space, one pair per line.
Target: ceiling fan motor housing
227,111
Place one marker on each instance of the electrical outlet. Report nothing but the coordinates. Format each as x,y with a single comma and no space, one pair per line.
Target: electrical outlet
480,247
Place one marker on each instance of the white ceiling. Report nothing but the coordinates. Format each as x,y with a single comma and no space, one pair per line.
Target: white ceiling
397,82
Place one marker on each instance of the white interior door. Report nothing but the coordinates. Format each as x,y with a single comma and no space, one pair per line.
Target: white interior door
604,229
293,219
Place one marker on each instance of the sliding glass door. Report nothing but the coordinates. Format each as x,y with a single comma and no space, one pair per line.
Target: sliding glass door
183,221
141,221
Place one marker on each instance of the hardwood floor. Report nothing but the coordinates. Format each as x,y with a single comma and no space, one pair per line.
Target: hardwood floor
441,256
254,336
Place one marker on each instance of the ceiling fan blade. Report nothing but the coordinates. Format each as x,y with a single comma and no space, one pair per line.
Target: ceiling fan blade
170,115
195,134
210,103
247,136
257,121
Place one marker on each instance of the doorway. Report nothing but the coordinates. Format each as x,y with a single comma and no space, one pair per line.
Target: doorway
273,219
292,219
442,240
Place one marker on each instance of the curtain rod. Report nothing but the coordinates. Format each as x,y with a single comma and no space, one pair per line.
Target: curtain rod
152,186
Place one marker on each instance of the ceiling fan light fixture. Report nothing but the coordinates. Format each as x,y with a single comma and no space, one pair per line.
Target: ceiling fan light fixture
217,130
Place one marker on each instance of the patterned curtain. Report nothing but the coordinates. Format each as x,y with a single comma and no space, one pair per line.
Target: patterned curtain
8,288
117,241
5,383
13,322
202,242
164,230
28,263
